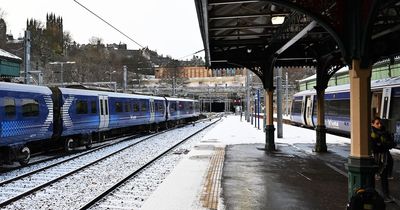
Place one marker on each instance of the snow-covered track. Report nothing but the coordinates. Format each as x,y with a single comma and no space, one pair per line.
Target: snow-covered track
47,163
73,184
113,189
25,184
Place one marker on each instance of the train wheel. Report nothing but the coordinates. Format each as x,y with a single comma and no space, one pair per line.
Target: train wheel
27,156
69,144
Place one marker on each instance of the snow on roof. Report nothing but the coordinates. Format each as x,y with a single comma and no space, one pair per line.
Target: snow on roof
6,54
380,83
314,77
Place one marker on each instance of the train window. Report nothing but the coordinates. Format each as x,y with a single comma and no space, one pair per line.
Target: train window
160,107
338,108
9,107
127,107
94,107
143,106
181,105
315,110
118,106
394,106
101,107
81,107
155,106
30,107
296,107
136,107
106,106
172,106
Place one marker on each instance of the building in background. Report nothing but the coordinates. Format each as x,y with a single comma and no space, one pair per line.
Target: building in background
9,64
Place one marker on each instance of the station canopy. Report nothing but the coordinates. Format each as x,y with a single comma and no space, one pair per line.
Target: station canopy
296,33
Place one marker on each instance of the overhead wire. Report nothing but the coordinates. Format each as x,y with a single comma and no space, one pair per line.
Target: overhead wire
191,54
108,23
115,28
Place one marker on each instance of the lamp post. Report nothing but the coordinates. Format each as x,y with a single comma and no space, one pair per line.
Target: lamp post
62,68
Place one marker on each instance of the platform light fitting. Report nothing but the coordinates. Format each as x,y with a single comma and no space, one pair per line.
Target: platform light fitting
277,20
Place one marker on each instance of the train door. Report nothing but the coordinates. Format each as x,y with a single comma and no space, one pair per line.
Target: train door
376,103
104,112
385,107
152,114
303,110
309,110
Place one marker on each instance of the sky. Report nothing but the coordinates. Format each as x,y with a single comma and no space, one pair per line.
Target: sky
168,26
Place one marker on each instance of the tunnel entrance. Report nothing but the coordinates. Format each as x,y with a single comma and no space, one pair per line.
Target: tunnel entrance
216,107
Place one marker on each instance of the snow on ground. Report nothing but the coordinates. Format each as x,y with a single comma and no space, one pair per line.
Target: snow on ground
183,187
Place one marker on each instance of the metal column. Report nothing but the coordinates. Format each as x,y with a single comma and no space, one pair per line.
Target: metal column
361,166
279,102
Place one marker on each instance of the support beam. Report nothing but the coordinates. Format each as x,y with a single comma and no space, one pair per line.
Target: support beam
361,166
219,2
222,28
269,127
298,36
268,83
320,145
256,15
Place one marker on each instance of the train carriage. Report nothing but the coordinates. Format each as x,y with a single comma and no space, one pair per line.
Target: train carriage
75,117
26,117
179,109
385,103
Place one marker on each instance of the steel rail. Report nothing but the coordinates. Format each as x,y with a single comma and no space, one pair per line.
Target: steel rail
15,198
112,188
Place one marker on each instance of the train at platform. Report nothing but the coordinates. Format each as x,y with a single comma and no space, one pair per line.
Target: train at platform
36,118
385,103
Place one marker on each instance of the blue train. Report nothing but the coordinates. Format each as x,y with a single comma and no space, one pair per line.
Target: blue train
385,103
39,117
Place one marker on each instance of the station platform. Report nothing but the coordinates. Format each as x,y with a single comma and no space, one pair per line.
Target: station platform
229,169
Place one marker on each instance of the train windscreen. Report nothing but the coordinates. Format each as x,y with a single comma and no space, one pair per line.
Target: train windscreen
296,107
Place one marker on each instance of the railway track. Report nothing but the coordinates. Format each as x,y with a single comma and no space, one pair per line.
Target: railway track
111,198
42,163
27,183
37,182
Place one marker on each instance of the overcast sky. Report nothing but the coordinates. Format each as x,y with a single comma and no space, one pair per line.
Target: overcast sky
168,26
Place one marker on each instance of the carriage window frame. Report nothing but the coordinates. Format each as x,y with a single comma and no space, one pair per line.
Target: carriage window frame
106,106
30,107
296,106
81,107
161,107
118,107
136,107
10,110
172,106
127,107
93,107
143,106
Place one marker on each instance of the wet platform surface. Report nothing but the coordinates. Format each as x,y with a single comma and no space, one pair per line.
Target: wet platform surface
290,178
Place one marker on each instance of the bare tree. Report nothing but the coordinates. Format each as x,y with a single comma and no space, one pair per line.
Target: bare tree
95,40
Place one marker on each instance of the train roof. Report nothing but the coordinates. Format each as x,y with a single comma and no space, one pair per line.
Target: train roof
375,84
110,94
24,88
179,99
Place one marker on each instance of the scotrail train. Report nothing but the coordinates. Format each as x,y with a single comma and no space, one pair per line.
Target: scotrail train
39,117
385,103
